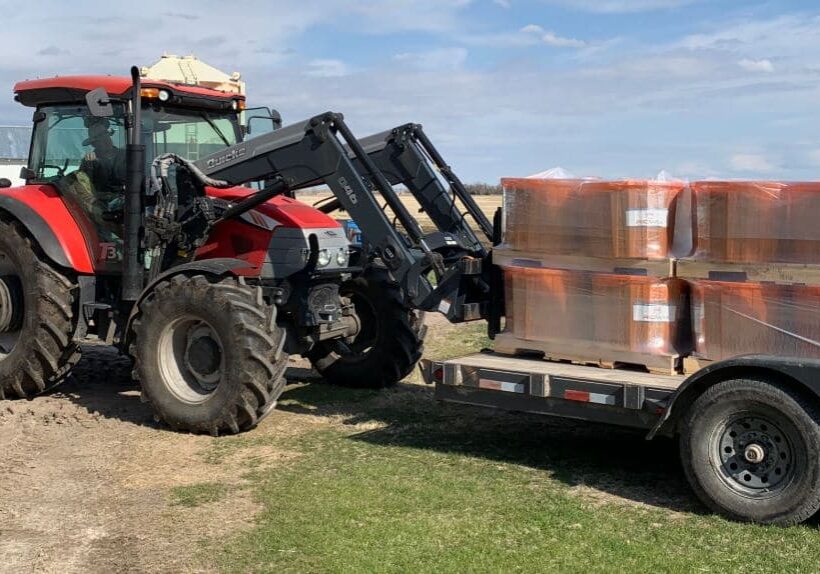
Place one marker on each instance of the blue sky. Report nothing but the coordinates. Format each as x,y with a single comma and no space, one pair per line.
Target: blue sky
610,88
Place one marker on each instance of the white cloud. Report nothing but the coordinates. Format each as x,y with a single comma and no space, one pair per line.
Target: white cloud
751,162
621,6
443,59
503,3
551,39
532,29
756,65
327,68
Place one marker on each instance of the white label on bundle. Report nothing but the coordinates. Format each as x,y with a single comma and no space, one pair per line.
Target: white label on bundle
653,313
653,217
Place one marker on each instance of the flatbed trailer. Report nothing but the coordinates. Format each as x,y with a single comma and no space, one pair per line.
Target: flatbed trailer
748,428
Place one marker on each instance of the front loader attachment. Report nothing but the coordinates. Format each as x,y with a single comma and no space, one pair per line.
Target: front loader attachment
324,150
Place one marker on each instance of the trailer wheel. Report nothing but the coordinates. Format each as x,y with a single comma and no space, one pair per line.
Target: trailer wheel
37,317
208,354
387,347
751,451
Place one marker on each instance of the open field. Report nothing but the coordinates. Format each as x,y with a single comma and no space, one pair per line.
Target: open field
353,481
488,204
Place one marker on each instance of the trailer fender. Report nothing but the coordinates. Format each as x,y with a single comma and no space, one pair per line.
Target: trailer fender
218,267
37,227
802,374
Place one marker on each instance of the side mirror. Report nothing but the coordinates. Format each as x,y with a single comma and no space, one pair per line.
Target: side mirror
99,104
277,119
5,182
26,173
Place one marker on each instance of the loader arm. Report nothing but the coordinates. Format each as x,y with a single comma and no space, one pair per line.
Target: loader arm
406,156
324,150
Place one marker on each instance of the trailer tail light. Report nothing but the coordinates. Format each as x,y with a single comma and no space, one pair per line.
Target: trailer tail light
438,374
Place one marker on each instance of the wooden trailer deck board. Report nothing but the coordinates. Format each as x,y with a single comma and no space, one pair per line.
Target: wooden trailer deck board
585,353
548,368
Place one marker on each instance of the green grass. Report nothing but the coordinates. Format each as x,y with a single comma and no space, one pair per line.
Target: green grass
391,481
198,494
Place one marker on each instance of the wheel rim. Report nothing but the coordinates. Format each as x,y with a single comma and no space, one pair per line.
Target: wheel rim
754,454
191,359
11,306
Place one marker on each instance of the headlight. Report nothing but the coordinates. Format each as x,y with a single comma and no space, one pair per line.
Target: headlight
164,95
341,257
324,258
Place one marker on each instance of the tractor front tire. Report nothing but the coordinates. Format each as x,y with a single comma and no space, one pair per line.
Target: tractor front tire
390,341
208,354
37,317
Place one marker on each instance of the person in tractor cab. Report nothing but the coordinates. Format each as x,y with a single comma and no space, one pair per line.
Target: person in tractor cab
99,183
105,165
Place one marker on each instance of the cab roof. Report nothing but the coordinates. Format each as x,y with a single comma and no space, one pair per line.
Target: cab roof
70,89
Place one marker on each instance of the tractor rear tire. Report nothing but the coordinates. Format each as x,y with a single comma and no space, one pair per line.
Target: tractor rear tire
38,317
208,354
389,344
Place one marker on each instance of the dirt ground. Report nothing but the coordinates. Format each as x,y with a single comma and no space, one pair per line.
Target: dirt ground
85,476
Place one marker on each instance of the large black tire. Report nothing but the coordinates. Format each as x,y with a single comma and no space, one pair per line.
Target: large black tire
389,344
751,451
38,349
208,354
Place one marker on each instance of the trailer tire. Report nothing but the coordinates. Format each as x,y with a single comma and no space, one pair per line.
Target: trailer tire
750,448
38,314
389,345
208,354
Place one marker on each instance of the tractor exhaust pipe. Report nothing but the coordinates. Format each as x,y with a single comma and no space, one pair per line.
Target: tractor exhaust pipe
132,275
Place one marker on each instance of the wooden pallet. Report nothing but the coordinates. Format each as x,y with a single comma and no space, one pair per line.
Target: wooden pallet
786,273
694,364
641,267
585,353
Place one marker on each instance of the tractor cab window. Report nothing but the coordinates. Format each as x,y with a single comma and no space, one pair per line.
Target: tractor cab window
190,133
67,139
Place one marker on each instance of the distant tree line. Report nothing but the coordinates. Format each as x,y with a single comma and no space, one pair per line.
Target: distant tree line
483,189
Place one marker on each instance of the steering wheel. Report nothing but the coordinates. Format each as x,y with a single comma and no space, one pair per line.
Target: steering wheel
60,170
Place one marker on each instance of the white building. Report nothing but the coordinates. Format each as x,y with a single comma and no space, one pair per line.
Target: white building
14,143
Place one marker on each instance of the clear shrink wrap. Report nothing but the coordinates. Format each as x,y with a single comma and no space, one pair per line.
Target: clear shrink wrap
591,218
597,315
757,222
731,319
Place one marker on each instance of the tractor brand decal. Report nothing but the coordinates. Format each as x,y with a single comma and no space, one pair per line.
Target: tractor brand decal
232,155
348,191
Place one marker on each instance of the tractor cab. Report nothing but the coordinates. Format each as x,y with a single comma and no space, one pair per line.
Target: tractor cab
83,154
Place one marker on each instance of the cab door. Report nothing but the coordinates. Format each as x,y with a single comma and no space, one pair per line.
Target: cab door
84,158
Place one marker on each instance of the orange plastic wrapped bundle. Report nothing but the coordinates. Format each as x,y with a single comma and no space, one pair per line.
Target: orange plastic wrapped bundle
731,319
547,304
632,219
540,216
590,218
596,316
643,315
757,221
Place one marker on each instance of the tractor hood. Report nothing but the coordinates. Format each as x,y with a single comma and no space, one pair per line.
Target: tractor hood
284,210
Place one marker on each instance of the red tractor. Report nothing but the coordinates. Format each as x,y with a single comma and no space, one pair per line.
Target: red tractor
123,233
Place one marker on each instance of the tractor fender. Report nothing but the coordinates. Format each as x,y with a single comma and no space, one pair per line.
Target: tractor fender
220,266
38,228
803,375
